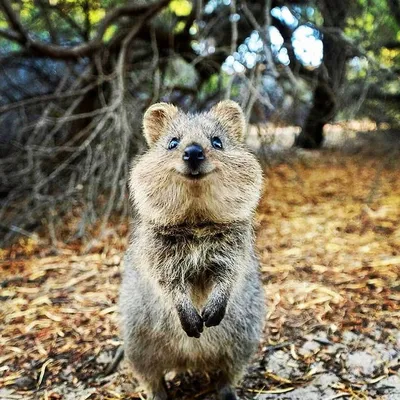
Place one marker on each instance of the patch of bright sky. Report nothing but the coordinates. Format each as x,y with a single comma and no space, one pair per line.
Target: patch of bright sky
306,43
358,63
276,46
307,46
284,14
213,4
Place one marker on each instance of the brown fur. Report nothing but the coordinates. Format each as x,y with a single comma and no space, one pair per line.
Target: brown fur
191,262
229,192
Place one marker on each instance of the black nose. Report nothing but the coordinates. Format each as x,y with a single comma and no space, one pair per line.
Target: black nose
193,155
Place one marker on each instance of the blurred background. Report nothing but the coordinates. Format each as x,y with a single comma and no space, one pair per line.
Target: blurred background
76,77
319,85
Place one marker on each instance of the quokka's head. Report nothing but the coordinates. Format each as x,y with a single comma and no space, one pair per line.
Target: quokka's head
197,168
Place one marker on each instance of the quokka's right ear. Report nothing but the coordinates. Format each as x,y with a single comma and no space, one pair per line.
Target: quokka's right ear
156,119
231,116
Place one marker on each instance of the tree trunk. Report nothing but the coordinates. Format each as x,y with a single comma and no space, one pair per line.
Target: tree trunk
323,109
330,77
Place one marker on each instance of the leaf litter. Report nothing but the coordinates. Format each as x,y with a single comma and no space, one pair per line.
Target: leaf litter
330,262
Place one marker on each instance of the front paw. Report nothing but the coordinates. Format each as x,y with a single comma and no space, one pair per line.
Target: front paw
191,321
214,312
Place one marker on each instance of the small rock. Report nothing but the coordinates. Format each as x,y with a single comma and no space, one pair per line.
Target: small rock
25,382
349,337
361,363
309,348
324,381
282,364
104,357
334,349
390,386
398,340
385,353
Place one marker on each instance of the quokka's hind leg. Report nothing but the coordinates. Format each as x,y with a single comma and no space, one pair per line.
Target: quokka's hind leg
227,392
154,386
225,386
149,374
157,390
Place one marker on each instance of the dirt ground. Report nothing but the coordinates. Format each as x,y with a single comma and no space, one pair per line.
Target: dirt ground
329,244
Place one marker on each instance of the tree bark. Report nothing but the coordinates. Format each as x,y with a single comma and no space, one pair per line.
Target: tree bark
329,78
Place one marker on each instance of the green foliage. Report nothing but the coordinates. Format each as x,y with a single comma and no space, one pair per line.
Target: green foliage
215,84
180,74
179,27
369,27
211,86
181,8
371,23
109,33
70,20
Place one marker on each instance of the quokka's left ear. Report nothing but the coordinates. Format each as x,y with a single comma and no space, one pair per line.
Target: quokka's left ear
231,117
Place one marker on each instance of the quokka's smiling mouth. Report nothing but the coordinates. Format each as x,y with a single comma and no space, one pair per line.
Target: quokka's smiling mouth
195,175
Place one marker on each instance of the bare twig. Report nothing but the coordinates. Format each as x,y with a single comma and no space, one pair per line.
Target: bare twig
154,67
50,97
234,39
84,49
264,34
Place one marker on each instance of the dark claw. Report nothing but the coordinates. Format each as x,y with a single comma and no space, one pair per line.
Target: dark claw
191,322
213,313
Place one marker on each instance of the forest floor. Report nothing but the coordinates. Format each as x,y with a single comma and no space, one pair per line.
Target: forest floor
329,244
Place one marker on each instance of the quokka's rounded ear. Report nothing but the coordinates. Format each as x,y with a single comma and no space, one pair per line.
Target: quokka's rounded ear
231,117
156,119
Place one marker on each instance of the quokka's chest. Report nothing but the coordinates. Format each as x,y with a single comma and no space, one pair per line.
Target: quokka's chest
196,248
195,252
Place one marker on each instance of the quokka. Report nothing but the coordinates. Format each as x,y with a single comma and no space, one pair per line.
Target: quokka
191,296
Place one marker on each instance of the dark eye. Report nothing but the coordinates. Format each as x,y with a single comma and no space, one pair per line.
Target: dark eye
216,143
173,143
